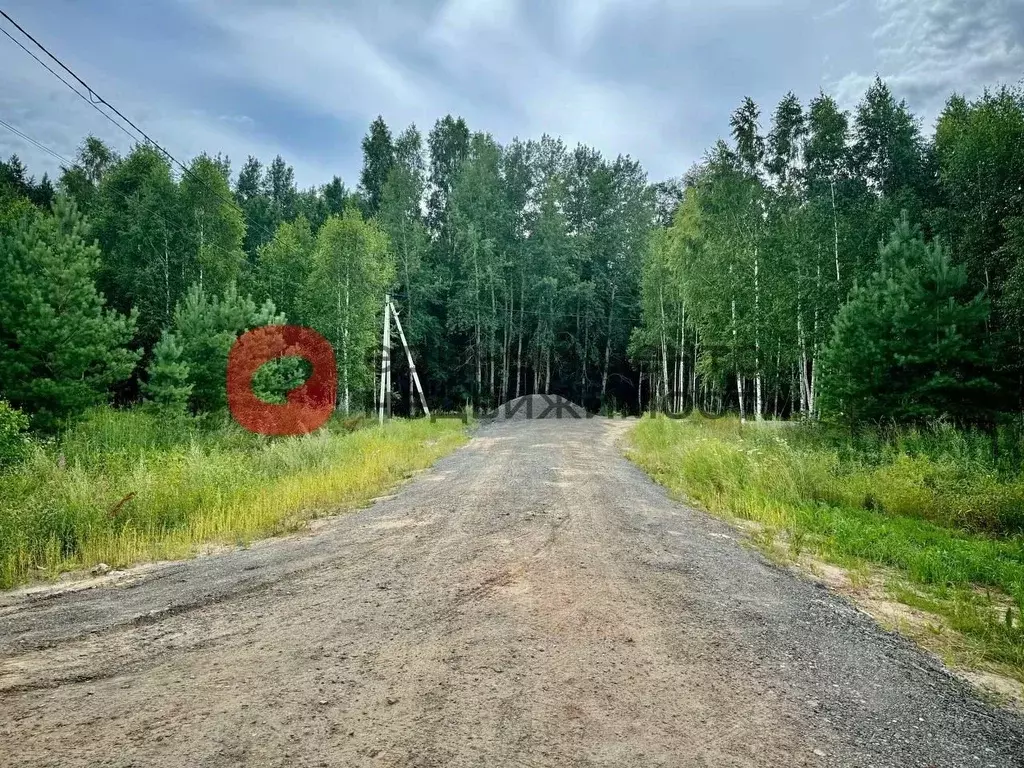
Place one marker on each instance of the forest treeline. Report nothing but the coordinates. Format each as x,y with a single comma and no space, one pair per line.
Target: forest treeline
816,262
846,265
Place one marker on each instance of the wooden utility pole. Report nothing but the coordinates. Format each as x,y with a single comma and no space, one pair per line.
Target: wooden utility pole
412,365
385,362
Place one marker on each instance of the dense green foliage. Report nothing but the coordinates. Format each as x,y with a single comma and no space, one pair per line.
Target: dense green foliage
60,347
206,327
351,270
13,435
837,265
846,266
904,347
168,385
515,269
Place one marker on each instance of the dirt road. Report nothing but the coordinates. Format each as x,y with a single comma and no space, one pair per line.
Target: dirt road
534,600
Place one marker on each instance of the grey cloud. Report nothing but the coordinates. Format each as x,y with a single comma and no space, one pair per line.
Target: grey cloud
928,50
653,78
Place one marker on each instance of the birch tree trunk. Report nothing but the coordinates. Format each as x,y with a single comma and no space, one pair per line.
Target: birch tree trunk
490,334
167,283
736,362
663,379
693,387
479,345
835,229
802,381
506,350
519,354
680,399
202,246
739,389
608,347
583,357
758,410
778,378
813,391
536,372
804,384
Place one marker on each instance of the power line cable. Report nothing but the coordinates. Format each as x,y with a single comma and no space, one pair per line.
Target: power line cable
100,100
94,99
69,85
29,139
125,197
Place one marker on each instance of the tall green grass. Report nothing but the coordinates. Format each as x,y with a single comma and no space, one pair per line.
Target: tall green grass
125,486
935,505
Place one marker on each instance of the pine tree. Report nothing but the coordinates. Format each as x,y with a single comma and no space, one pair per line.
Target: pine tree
255,206
168,386
60,347
378,160
14,177
906,347
206,328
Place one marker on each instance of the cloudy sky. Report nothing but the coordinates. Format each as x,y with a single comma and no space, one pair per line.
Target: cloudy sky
656,79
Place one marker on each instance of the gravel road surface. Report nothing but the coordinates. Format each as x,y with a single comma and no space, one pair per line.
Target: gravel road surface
533,600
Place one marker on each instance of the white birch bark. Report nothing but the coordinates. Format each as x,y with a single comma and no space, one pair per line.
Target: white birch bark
835,229
608,347
682,361
758,409
519,354
344,347
663,383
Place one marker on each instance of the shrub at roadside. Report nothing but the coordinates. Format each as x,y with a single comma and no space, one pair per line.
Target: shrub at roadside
13,435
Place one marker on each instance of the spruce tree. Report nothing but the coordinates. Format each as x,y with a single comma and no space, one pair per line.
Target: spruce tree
60,347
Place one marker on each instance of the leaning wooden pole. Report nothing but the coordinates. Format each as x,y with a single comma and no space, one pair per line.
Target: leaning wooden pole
385,357
412,365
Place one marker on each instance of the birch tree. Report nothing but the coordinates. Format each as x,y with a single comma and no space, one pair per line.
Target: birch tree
344,297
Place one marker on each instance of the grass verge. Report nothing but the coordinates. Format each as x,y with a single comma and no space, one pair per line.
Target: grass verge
127,486
924,516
